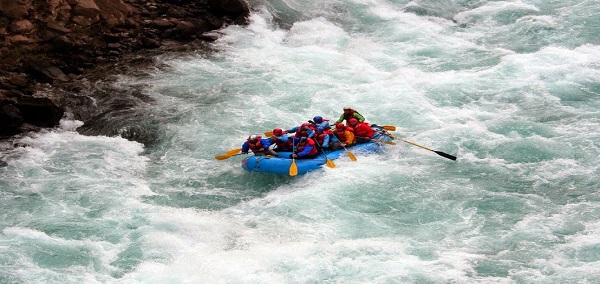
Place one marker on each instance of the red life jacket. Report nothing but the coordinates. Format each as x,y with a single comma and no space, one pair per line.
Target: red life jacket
256,145
311,142
321,137
362,129
283,145
302,132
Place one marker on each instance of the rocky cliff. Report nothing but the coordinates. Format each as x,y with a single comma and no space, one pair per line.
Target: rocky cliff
50,50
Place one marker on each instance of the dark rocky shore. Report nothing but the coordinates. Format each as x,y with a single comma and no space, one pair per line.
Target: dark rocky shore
57,55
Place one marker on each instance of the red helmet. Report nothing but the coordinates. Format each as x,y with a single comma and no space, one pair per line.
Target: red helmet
340,126
352,120
277,131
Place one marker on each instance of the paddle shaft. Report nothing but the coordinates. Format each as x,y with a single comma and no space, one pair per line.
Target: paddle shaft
445,155
329,162
293,168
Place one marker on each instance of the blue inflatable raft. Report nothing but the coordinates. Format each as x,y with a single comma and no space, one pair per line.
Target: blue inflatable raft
281,164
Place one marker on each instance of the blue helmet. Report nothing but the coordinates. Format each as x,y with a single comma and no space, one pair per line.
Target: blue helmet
318,119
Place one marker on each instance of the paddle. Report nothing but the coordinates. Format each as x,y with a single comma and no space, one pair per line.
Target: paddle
269,133
329,162
447,156
293,167
223,157
352,157
229,154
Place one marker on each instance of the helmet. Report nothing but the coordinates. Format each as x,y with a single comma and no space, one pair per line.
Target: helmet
340,126
277,131
320,128
352,120
305,125
318,119
252,137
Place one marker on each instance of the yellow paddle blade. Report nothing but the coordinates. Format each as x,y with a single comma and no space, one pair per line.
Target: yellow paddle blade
330,163
269,133
222,157
234,151
389,127
352,157
293,168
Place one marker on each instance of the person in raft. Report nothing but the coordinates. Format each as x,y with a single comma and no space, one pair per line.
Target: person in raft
304,130
342,136
320,121
350,113
258,145
322,137
306,148
362,130
282,140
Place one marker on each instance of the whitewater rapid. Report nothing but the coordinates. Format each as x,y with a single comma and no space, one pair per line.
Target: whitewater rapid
509,87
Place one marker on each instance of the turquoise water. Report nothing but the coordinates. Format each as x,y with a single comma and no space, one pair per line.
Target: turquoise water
509,87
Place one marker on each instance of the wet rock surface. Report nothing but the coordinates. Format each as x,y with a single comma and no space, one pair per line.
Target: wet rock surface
58,57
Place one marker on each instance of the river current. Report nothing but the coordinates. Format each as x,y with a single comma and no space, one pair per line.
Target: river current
509,87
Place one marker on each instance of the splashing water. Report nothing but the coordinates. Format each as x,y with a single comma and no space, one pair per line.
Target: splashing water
510,87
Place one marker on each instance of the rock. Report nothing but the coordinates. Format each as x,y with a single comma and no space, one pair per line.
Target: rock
16,9
21,26
84,21
18,80
49,72
236,9
10,119
57,27
162,23
39,112
86,8
114,12
185,27
150,42
91,40
19,39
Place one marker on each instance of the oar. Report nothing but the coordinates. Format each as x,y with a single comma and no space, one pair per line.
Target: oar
329,162
389,127
447,156
223,157
293,167
352,157
228,154
269,133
